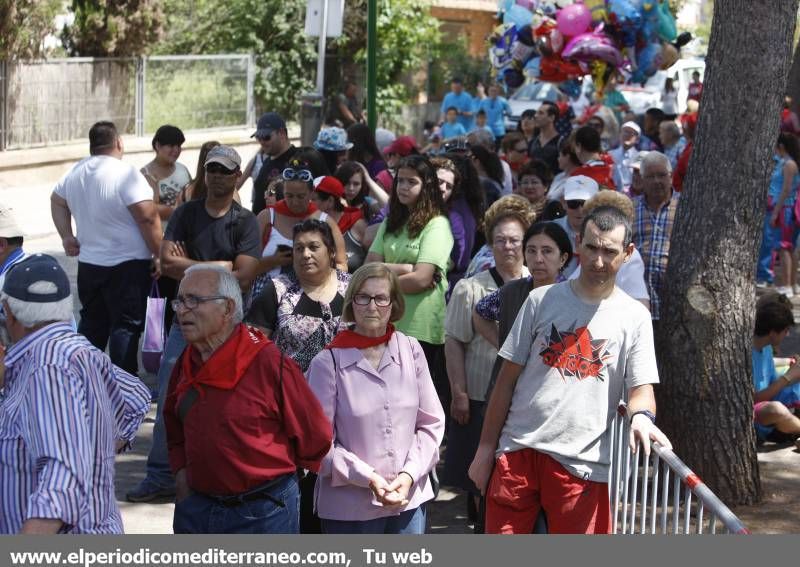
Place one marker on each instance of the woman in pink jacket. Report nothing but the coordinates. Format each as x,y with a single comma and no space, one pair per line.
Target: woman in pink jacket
374,385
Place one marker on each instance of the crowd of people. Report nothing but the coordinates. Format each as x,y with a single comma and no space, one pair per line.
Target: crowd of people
494,292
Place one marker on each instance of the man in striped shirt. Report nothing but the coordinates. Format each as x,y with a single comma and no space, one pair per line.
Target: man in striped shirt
65,410
652,229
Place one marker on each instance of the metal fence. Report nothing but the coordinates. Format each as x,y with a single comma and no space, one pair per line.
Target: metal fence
57,101
659,494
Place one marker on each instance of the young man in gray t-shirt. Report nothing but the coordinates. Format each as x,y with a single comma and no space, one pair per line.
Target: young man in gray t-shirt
575,349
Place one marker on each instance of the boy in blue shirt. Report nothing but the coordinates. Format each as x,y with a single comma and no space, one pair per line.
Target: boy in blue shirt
452,128
776,397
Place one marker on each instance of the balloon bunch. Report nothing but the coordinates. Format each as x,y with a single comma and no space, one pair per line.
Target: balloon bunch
560,41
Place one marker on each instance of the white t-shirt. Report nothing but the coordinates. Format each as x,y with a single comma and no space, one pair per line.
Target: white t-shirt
98,191
630,277
579,360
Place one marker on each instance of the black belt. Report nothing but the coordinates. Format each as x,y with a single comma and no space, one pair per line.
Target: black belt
258,493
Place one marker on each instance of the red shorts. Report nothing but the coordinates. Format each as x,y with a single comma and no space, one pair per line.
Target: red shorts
525,481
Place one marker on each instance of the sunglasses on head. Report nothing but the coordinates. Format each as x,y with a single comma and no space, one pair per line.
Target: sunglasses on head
219,169
575,203
300,174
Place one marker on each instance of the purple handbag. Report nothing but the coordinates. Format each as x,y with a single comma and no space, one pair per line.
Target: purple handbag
153,339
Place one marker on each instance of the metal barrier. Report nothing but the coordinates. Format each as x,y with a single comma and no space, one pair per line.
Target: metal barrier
659,493
57,100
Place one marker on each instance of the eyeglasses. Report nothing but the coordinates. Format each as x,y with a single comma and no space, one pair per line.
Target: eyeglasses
364,299
300,174
192,301
521,150
502,242
575,203
266,138
219,169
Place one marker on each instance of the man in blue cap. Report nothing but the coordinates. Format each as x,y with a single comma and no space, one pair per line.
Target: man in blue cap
65,410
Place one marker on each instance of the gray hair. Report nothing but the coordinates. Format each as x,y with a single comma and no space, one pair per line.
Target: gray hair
227,286
671,127
655,158
481,138
31,313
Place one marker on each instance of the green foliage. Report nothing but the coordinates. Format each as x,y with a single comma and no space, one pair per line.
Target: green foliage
23,26
407,36
195,94
270,29
114,28
452,59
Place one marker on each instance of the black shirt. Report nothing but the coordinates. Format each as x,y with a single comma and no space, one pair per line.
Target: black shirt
547,153
271,168
210,239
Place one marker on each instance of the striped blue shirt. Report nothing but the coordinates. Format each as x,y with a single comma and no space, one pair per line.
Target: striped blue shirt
63,408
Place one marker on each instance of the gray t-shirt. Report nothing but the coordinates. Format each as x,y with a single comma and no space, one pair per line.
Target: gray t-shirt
579,359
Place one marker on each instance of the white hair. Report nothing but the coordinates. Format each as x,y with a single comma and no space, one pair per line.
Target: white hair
655,158
227,286
31,313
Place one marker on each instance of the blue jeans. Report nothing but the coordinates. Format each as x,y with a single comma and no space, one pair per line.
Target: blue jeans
200,514
408,522
158,471
113,304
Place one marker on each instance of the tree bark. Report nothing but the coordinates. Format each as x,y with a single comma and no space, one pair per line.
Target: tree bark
793,82
704,337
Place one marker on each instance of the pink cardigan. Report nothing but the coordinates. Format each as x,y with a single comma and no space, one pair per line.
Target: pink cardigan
386,420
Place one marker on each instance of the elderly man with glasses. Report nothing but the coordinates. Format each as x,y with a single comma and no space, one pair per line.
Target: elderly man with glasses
652,228
216,231
237,403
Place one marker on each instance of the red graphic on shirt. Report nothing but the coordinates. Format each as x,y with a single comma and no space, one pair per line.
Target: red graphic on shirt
575,353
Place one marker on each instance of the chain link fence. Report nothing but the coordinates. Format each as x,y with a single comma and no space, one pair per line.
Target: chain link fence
57,101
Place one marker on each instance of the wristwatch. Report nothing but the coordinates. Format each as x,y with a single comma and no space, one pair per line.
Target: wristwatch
650,415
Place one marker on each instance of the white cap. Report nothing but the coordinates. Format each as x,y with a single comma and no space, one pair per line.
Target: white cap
580,188
633,126
9,228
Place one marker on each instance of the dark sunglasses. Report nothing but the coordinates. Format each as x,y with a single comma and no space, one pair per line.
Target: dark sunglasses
300,174
266,138
575,203
219,169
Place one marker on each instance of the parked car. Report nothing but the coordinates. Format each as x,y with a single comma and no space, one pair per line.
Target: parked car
531,96
640,98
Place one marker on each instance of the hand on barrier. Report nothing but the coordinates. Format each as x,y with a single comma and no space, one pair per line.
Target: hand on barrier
644,430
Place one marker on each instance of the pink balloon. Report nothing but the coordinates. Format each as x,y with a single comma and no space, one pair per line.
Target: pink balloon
574,19
588,47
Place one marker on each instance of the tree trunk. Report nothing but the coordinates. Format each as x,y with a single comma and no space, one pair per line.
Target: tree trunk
793,83
705,334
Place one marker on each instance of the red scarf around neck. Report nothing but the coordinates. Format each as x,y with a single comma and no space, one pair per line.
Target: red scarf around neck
283,209
351,339
350,216
227,364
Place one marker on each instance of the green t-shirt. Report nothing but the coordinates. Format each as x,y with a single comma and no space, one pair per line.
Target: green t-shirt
424,316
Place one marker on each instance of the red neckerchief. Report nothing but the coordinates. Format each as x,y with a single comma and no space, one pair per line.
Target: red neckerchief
227,364
350,216
351,339
283,209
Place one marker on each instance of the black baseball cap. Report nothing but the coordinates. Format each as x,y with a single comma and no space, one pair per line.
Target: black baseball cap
268,123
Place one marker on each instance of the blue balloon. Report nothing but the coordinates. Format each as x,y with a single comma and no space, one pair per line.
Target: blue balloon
518,16
572,88
532,68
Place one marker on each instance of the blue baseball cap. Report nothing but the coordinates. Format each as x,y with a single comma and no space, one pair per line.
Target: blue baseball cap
33,269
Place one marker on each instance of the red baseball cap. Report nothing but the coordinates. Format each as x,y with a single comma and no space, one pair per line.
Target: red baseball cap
402,146
330,185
